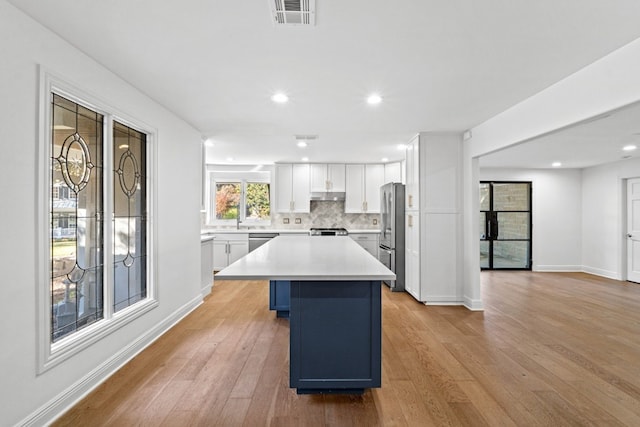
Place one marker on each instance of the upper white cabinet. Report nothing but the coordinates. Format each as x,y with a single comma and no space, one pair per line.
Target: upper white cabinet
393,172
292,188
363,184
327,177
412,188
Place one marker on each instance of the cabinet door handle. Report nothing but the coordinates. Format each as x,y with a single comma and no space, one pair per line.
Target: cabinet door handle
410,201
410,222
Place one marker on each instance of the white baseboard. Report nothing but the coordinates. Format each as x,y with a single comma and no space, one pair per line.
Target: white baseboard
559,268
53,409
473,304
206,290
442,301
600,272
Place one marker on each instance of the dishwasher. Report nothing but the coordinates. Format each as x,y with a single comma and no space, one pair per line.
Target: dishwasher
258,239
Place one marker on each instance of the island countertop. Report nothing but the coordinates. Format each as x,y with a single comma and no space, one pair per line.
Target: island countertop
307,258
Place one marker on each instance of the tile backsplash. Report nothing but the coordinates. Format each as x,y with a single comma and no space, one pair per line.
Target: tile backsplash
326,214
323,214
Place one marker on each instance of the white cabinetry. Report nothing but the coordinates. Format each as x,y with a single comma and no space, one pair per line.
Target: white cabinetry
229,247
327,177
369,241
363,184
412,254
292,188
432,223
206,265
412,187
393,172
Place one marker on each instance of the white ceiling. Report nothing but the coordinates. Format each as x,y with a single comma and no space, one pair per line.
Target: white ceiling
439,65
595,141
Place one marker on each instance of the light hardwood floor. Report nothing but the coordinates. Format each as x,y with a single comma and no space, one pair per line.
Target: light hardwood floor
550,349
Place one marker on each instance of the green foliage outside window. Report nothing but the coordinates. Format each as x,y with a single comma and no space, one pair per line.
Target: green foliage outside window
257,199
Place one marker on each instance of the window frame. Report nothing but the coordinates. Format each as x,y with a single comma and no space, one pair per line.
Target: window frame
50,354
242,179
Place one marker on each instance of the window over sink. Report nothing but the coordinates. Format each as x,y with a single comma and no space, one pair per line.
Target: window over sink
239,200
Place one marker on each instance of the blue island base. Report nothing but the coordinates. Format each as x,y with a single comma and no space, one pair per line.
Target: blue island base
356,391
335,336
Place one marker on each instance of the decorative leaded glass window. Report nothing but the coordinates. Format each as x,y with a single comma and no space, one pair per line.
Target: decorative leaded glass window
79,171
130,216
76,213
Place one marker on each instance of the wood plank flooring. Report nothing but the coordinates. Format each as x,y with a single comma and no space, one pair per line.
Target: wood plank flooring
550,349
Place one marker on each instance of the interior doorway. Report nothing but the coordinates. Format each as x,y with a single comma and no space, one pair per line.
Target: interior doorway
633,230
505,225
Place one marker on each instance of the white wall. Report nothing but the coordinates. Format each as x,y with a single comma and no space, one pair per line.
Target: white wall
26,396
557,214
611,82
603,226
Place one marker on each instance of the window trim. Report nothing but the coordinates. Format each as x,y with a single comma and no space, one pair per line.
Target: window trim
51,354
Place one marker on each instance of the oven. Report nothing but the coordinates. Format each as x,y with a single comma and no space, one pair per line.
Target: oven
328,232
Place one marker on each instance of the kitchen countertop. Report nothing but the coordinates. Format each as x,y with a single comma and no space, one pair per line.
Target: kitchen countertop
210,231
308,258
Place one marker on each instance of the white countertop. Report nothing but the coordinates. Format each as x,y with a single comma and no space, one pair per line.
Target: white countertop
210,231
307,258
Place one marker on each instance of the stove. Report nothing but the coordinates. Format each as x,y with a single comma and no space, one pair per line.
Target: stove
328,232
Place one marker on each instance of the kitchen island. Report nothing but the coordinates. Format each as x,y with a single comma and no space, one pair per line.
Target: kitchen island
335,308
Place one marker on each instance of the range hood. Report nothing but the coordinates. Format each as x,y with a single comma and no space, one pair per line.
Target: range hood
327,196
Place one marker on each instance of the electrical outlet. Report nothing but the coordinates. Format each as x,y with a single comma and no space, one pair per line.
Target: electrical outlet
375,221
298,220
285,220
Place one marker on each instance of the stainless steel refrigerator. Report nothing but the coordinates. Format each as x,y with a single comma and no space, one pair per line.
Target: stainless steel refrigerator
391,250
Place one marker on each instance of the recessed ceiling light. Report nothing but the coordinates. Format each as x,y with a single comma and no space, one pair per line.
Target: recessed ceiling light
280,98
208,142
229,159
302,144
305,159
374,98
384,159
402,147
629,147
556,164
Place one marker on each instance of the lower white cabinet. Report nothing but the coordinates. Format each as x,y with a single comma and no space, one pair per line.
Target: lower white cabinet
206,266
369,241
228,248
412,254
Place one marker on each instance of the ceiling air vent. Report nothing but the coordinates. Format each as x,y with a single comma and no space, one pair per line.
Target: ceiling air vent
306,137
293,12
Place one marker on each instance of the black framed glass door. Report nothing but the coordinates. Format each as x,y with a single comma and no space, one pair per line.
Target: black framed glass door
505,225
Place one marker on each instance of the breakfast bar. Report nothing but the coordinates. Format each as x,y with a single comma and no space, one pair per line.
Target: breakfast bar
335,310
